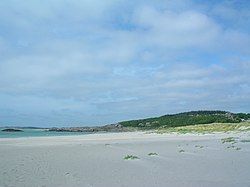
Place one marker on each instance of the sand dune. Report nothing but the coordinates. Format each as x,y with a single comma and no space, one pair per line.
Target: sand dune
98,160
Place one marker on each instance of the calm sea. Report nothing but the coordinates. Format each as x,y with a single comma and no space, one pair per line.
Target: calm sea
35,133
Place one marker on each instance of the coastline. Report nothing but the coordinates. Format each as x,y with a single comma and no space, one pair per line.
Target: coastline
120,136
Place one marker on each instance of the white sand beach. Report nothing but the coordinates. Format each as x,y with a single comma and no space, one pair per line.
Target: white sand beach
98,160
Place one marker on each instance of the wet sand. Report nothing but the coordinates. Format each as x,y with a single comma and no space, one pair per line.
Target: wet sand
98,160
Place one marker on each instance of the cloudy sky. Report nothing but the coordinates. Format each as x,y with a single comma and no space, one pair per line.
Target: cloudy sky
92,62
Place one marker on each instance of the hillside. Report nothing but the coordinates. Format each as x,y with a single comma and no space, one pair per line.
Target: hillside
187,118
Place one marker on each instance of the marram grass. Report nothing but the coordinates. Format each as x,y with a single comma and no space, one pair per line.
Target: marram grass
130,157
152,154
207,128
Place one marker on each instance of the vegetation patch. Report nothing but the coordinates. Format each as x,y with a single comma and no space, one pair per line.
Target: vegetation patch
181,151
245,141
206,128
130,157
228,140
152,154
199,146
233,147
187,119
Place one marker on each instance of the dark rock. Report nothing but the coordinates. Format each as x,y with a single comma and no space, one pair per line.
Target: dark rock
12,130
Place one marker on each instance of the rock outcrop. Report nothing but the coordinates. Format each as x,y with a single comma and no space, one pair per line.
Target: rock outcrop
12,130
106,128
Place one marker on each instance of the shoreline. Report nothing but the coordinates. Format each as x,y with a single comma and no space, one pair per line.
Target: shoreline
121,136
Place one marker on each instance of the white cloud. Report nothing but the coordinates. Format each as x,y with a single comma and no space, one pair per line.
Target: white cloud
176,30
91,61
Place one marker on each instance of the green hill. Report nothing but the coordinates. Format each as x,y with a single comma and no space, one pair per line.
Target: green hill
187,118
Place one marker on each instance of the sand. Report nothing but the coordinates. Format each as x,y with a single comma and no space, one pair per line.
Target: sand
98,160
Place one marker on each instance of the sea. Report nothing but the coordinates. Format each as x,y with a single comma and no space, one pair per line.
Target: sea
35,132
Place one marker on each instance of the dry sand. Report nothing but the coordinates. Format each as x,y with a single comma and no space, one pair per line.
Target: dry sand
97,160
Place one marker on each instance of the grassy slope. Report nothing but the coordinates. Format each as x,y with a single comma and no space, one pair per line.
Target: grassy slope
186,119
207,128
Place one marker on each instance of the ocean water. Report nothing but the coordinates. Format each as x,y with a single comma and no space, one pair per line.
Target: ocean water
35,133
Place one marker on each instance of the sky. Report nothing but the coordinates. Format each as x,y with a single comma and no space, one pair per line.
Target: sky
93,62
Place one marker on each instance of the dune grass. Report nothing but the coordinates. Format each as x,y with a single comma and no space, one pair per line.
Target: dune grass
130,157
228,140
207,128
231,141
199,146
152,154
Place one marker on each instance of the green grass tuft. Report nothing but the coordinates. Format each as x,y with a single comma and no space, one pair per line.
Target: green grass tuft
199,146
231,146
228,140
152,154
130,157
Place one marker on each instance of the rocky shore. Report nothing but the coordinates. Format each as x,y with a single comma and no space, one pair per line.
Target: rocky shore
106,128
